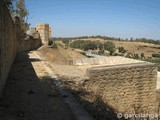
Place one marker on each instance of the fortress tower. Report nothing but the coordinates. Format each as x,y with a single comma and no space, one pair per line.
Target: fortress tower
50,32
44,31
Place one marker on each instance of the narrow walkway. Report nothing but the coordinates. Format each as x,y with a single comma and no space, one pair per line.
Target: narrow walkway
30,95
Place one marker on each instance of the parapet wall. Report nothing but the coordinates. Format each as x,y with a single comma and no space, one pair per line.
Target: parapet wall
127,88
102,60
8,43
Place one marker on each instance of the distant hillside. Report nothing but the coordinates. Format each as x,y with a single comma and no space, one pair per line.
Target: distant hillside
131,46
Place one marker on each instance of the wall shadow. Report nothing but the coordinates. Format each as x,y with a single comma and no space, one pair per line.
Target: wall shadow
35,59
98,109
26,98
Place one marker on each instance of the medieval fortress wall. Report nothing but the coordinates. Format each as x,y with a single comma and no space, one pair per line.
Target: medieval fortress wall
128,86
8,43
45,32
12,41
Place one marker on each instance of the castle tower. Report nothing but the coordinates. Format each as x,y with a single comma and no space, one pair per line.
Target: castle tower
44,31
50,32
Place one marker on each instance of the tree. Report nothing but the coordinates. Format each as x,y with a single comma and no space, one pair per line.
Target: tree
110,47
101,46
50,42
18,8
131,39
11,5
156,55
23,13
136,56
84,45
21,9
122,50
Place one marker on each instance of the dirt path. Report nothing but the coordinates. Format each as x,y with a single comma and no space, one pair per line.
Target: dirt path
30,95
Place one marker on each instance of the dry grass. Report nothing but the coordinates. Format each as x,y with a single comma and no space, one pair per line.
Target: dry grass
133,47
139,47
60,55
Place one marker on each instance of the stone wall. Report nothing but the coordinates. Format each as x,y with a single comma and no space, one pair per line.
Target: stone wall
50,32
11,42
8,43
44,31
103,60
127,88
31,44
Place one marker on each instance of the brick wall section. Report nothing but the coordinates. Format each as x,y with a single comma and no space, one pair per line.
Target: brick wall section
8,43
126,88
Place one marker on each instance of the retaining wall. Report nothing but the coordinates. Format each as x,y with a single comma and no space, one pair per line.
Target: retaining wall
103,60
127,88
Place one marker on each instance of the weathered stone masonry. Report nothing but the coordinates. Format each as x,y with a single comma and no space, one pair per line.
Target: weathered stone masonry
45,32
11,42
8,43
128,88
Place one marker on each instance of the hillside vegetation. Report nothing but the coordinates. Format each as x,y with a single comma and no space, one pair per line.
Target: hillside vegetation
146,50
131,47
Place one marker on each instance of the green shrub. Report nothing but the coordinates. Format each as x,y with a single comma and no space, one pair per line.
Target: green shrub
84,45
50,42
156,55
110,46
122,50
136,56
142,55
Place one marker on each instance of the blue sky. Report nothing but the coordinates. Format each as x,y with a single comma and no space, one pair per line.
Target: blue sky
115,18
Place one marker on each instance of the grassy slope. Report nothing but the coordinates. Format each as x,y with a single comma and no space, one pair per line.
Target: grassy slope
59,55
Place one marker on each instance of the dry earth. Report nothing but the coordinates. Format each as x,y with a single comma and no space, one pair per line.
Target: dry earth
58,60
30,94
74,78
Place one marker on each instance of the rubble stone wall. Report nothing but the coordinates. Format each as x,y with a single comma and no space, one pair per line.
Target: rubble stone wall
127,88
